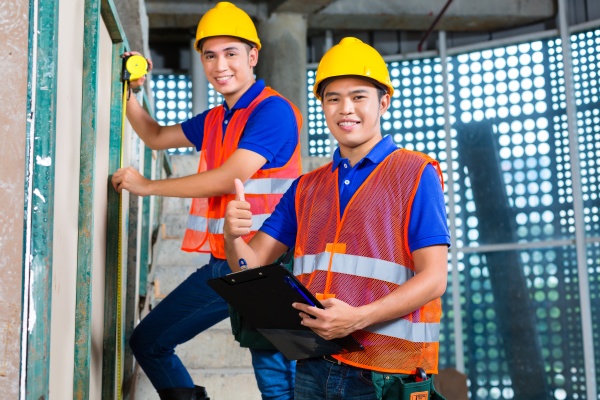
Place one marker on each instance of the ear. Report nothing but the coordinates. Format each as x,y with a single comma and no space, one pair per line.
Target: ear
384,104
253,57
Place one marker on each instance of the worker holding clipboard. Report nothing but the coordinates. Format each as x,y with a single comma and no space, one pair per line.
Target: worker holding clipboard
370,241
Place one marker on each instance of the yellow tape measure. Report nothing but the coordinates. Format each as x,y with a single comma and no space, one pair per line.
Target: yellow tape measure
119,333
134,67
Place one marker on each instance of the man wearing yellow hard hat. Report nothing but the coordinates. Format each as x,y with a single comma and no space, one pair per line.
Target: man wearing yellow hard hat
253,136
371,242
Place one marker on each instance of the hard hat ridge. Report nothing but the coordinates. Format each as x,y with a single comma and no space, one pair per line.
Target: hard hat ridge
352,57
226,19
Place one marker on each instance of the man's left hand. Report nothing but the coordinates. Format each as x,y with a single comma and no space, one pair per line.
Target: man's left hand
130,179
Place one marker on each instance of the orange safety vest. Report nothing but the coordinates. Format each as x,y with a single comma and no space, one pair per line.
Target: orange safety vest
263,190
365,256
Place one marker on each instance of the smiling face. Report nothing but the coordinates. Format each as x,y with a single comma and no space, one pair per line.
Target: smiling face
228,64
353,109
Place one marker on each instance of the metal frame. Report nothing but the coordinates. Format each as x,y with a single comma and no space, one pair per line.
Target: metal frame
85,244
39,199
109,353
458,325
580,242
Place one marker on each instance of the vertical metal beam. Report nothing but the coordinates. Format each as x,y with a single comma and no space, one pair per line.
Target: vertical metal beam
146,244
109,356
456,306
85,245
39,199
580,245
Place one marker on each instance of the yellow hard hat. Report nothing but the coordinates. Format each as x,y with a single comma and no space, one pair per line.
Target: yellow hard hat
353,57
225,19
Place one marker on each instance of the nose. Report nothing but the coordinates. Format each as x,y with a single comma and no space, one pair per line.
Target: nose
346,106
221,63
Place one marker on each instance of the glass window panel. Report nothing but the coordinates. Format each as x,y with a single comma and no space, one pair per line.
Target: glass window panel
586,75
173,102
521,321
512,146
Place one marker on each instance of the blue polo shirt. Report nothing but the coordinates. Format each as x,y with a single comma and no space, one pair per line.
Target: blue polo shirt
271,130
427,226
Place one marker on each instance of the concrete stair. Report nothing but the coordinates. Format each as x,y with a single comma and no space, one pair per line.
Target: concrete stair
213,358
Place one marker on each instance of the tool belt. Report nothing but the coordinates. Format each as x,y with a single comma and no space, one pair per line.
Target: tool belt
405,387
243,332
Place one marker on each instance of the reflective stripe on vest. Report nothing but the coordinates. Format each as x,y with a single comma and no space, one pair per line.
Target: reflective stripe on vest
267,185
364,256
199,223
354,265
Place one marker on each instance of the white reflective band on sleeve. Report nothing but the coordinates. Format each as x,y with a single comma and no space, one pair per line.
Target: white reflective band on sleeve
216,225
421,332
267,185
354,265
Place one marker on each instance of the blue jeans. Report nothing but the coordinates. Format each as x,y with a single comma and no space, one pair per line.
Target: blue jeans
317,378
188,310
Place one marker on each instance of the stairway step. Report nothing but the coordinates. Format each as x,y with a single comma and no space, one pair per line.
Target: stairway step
221,384
214,348
168,252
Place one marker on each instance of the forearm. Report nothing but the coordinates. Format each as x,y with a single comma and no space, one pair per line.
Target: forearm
428,283
239,254
205,184
142,123
409,297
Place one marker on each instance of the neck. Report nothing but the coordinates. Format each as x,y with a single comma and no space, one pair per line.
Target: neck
357,153
232,98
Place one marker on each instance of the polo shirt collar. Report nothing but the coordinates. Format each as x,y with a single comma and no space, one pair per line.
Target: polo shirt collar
377,154
248,96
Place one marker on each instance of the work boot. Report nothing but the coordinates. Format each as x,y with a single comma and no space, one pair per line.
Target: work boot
178,394
201,393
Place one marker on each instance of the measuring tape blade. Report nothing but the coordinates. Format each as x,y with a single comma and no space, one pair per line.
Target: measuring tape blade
134,67
119,333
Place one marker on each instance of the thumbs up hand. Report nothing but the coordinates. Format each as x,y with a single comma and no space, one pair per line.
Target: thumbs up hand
238,217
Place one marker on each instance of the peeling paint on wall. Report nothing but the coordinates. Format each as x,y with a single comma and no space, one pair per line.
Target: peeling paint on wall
39,194
43,161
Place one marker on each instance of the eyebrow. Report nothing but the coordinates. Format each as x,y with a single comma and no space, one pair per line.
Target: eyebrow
357,91
223,50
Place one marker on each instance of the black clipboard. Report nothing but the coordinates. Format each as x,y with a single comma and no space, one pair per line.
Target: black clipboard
264,297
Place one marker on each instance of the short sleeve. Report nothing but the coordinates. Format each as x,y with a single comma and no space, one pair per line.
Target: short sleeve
271,131
282,225
428,224
193,129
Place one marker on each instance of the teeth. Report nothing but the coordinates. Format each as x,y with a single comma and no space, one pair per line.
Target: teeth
347,123
223,78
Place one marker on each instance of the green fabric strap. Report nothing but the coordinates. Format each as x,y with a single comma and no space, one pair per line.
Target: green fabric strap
403,387
245,334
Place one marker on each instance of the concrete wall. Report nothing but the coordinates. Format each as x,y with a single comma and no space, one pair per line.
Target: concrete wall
13,96
66,198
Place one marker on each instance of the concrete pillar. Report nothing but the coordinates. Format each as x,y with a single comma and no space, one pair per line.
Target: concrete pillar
199,82
282,61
